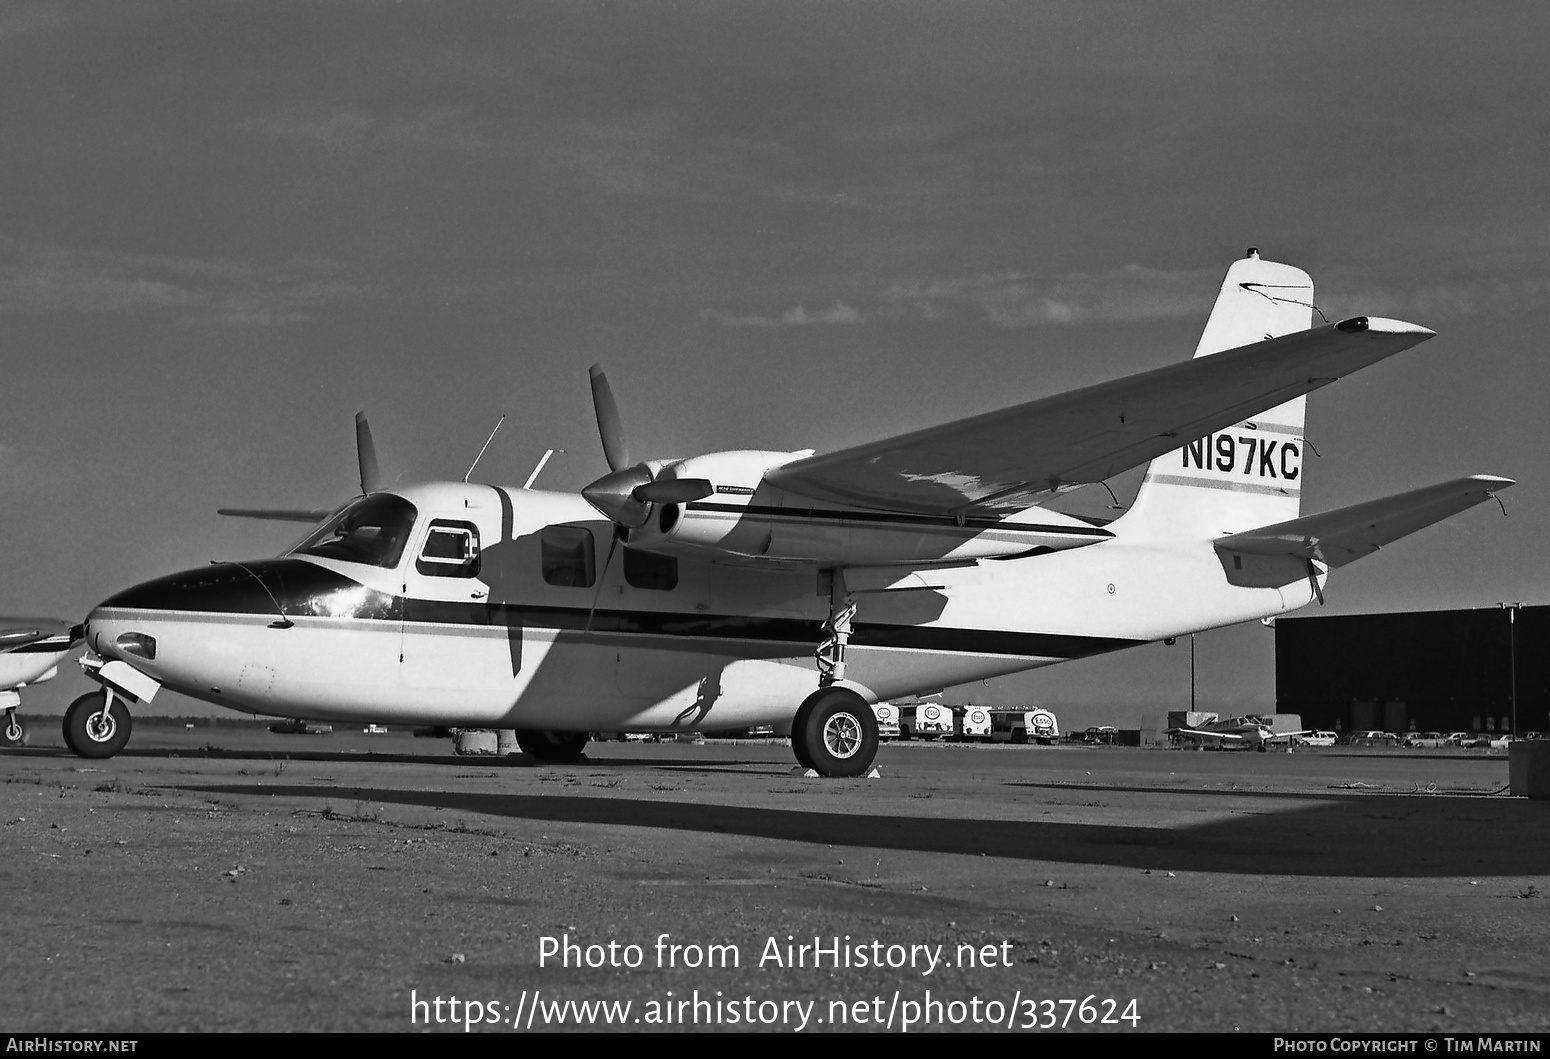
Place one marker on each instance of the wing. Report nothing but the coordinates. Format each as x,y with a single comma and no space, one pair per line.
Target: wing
1209,738
1346,534
1002,461
26,635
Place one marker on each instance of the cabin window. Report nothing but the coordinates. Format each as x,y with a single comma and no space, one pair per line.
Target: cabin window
371,530
451,550
568,556
645,570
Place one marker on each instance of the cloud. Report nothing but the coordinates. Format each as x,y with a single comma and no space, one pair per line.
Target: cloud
838,313
350,130
1018,299
36,279
1441,299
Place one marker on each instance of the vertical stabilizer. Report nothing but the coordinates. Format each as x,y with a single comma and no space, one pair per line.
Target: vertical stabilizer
1250,474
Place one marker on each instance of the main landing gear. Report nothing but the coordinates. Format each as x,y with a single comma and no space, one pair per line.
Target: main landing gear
552,746
835,731
97,724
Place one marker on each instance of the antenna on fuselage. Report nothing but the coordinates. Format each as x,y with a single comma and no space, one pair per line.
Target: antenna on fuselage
487,441
539,469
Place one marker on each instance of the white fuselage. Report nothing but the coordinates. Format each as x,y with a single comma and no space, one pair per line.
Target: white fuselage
565,634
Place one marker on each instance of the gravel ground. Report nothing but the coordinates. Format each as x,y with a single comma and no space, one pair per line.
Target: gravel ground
236,880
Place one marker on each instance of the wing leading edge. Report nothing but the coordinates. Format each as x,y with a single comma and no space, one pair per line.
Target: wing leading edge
1005,460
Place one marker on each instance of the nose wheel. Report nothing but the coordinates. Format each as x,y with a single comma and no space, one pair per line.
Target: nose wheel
13,732
97,725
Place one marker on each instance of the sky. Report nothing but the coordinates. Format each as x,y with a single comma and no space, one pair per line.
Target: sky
227,227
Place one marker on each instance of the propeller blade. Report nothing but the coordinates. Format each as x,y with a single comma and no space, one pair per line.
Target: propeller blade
366,453
613,543
609,427
673,490
309,515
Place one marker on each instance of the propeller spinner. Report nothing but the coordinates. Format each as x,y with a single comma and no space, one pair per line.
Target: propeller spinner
625,494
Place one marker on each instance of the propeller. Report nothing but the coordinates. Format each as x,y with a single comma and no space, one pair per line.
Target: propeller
366,455
625,494
371,482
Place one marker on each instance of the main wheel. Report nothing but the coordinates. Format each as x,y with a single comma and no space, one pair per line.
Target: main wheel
799,734
552,746
94,731
13,732
839,732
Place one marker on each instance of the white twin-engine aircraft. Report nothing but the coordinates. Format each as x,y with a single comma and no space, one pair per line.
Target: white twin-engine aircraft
745,588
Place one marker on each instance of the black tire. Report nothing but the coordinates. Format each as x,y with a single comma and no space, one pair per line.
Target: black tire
12,732
89,734
798,734
839,731
552,746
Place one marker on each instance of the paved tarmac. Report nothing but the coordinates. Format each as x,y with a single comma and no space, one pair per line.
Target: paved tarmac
225,879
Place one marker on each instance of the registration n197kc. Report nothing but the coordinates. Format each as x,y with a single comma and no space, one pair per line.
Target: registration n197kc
745,588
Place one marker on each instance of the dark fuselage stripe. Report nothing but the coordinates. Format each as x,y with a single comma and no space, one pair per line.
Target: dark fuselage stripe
797,631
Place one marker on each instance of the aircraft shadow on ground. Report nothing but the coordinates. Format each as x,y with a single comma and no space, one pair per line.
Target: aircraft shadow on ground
1339,836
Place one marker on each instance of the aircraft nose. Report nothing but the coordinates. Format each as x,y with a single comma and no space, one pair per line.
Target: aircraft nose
278,589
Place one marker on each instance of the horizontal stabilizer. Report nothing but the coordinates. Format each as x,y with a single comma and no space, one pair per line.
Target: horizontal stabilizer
1338,537
307,515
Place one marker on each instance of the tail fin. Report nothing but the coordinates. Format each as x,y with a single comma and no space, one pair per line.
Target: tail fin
1251,474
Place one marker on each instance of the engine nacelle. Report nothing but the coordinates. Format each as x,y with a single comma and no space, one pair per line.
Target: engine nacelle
743,519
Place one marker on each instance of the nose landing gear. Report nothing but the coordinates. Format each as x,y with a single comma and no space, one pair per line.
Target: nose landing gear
97,725
13,732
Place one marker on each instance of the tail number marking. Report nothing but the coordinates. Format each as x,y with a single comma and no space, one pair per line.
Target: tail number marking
1259,457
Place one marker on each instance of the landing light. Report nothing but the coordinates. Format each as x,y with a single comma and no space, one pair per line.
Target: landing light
138,644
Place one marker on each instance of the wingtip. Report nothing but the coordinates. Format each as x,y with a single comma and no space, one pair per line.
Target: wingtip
1493,483
1393,327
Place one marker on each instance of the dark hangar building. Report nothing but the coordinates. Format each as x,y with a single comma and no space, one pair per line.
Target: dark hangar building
1445,671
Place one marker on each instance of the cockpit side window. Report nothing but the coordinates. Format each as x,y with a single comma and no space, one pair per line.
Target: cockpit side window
568,556
372,530
451,550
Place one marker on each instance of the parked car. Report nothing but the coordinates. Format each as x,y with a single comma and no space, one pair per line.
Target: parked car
1100,733
297,726
1501,742
1315,739
1458,739
1427,740
1371,738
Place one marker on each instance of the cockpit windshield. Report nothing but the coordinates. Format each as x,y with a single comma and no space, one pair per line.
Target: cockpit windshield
372,530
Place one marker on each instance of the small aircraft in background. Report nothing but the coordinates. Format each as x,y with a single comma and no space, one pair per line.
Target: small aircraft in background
1249,732
742,588
30,652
